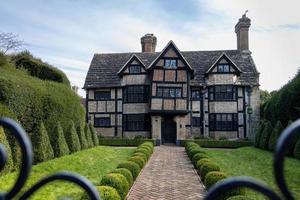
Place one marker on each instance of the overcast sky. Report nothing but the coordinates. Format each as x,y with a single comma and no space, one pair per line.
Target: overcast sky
66,33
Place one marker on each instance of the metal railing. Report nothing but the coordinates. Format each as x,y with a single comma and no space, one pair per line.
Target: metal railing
278,164
26,165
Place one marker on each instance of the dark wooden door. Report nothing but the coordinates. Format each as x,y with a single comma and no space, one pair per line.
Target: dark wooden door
168,130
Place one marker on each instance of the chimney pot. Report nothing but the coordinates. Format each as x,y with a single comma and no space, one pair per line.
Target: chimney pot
148,42
242,33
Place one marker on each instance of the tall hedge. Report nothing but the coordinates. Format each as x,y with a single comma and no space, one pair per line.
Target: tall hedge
82,137
94,135
259,133
9,163
59,143
297,150
72,138
88,136
41,144
264,139
274,135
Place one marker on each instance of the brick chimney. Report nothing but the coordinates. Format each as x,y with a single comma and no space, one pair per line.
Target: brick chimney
242,33
148,42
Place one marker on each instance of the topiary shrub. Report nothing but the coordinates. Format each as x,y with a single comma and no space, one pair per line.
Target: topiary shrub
264,139
88,136
144,151
59,143
142,155
195,151
116,181
148,148
94,135
72,138
82,137
274,135
9,163
106,193
213,177
126,173
132,167
198,156
202,162
258,134
138,160
297,150
208,167
239,197
41,145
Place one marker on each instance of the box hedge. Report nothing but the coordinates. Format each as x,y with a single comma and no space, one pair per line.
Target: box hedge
126,173
138,160
297,150
117,181
72,138
132,167
144,151
106,193
9,165
213,177
143,156
197,157
123,141
208,167
211,143
59,143
202,162
88,136
239,197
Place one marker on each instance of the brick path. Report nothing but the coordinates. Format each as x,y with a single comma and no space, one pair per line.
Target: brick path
168,175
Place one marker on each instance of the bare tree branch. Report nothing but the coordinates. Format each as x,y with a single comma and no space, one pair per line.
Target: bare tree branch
10,41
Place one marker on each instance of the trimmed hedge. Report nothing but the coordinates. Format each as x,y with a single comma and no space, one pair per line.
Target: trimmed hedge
94,135
72,138
88,136
82,138
239,197
116,181
106,193
144,151
258,133
208,167
195,151
274,136
143,156
265,135
59,143
123,142
213,177
132,167
210,143
9,163
138,160
202,162
126,173
197,157
297,150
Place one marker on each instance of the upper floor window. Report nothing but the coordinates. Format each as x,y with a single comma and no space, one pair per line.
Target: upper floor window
136,122
170,64
102,95
222,93
195,95
134,69
223,68
223,122
196,121
169,92
102,122
136,94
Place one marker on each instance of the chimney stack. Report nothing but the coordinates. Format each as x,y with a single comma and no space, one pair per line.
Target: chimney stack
148,42
242,33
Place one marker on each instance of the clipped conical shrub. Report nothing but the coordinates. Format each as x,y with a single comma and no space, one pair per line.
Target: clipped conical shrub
82,137
59,143
72,138
264,139
41,144
297,150
292,142
94,135
258,134
88,136
9,162
274,135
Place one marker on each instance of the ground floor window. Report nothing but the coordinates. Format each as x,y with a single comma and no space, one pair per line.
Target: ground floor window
136,122
223,122
196,121
102,122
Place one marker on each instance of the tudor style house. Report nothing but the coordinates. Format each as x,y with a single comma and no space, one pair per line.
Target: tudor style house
173,95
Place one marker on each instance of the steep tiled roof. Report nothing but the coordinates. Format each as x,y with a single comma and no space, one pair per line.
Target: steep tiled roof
103,71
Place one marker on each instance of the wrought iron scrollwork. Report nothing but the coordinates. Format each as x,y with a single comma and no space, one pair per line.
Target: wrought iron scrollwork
282,143
26,165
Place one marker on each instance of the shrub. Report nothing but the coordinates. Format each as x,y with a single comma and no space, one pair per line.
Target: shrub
138,160
132,167
59,143
195,151
202,162
139,137
144,151
264,139
106,193
149,149
198,156
211,143
116,181
82,137
208,167
274,135
3,59
94,135
9,163
88,136
41,145
126,173
141,155
213,177
292,142
122,141
258,134
239,197
72,138
297,150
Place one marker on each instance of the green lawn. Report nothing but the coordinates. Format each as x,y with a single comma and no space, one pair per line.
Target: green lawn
91,163
250,161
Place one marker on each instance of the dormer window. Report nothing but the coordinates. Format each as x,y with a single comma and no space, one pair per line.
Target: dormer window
223,68
134,69
170,64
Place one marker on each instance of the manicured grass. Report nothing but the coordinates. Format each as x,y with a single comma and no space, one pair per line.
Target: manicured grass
91,163
257,163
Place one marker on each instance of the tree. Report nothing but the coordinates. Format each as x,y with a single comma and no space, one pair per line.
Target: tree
264,96
259,133
10,41
59,143
275,135
88,135
72,138
41,145
82,137
9,163
94,135
264,139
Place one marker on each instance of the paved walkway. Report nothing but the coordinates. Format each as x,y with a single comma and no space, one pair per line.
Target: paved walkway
168,175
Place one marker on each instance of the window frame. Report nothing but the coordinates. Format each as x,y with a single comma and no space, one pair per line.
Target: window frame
169,66
134,66
222,65
132,124
104,98
221,93
105,125
132,95
161,91
196,122
223,124
196,97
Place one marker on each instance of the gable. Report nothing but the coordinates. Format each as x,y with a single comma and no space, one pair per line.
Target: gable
224,65
131,66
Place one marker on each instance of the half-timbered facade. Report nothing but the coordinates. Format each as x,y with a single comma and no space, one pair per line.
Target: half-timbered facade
173,95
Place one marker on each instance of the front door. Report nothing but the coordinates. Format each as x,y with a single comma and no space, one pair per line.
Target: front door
168,130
